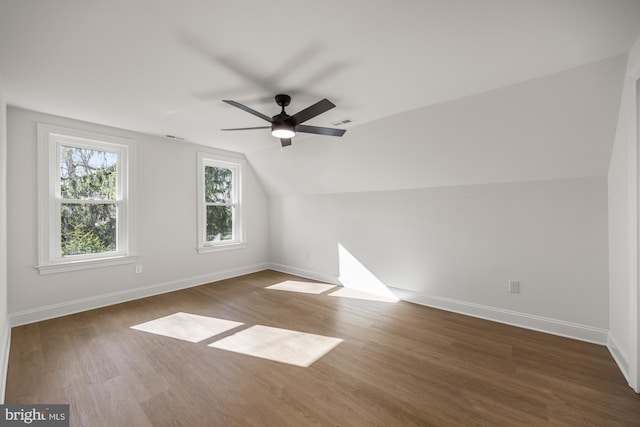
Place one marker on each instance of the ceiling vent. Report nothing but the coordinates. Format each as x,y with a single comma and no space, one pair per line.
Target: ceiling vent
342,122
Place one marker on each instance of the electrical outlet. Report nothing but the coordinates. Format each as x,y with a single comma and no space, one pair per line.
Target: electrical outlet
514,287
138,268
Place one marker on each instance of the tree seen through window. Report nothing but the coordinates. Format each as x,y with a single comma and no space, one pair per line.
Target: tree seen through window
88,200
219,200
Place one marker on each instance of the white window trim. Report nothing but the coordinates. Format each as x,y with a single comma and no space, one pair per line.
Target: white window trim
238,165
50,260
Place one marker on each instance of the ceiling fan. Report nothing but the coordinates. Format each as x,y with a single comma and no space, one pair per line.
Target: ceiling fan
284,126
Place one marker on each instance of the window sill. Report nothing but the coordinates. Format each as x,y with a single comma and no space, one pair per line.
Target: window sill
64,267
221,247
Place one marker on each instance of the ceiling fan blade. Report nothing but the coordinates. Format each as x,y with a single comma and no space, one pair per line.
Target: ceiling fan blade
248,110
320,130
259,127
285,142
312,111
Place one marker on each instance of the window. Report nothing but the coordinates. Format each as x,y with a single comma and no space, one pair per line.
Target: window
220,214
84,191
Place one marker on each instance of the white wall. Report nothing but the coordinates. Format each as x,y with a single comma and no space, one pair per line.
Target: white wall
5,333
166,227
623,231
449,202
457,247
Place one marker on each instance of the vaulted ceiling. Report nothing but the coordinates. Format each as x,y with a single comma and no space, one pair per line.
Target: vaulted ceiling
447,92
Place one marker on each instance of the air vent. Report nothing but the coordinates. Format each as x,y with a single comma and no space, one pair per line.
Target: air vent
342,122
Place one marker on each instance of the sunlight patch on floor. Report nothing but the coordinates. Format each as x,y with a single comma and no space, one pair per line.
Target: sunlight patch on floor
187,327
356,294
280,345
303,287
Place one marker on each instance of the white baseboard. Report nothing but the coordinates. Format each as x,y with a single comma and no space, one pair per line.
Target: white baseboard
514,318
5,345
619,356
84,304
307,274
523,320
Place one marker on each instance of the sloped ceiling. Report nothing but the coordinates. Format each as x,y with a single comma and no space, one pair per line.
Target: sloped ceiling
553,127
426,80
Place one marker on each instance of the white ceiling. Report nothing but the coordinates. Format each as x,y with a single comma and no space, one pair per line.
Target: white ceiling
560,126
163,67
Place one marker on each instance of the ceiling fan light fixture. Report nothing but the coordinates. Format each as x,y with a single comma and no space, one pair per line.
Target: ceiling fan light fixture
284,126
282,130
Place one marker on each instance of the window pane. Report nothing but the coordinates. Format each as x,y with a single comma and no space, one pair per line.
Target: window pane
218,185
219,223
87,174
88,228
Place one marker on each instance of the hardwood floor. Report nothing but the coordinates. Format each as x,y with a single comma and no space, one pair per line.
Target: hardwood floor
399,364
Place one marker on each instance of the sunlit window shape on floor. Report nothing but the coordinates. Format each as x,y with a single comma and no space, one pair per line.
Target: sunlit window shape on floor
358,281
302,287
187,327
280,345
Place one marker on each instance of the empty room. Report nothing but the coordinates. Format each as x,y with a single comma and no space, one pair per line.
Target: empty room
336,213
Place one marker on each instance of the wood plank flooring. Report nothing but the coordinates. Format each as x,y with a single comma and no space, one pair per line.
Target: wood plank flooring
400,364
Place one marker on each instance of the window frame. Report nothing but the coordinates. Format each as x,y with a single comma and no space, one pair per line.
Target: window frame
50,258
237,167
